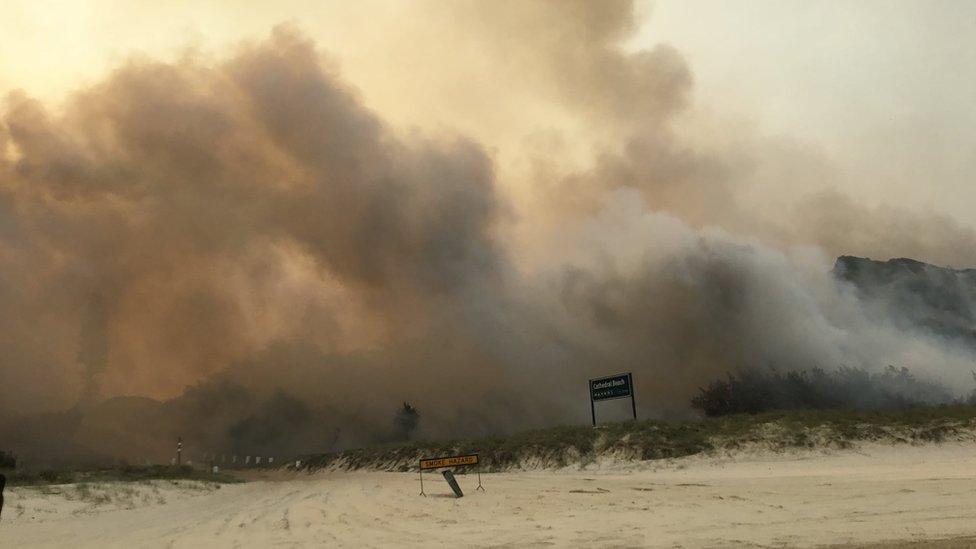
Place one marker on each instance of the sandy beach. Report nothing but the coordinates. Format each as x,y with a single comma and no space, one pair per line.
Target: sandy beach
869,495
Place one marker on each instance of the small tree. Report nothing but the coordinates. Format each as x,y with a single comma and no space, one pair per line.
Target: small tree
405,421
7,460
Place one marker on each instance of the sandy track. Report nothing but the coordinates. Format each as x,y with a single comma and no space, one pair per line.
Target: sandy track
874,494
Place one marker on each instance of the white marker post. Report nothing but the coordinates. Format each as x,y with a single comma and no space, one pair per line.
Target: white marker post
3,483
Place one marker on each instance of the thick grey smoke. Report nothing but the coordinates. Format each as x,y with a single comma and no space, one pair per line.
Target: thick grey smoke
189,198
249,240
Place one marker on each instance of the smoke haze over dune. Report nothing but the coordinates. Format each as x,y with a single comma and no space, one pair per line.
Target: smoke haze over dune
248,224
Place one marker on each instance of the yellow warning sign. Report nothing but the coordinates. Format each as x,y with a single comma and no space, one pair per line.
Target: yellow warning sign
435,463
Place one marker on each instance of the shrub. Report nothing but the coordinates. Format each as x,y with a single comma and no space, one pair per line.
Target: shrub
405,421
754,391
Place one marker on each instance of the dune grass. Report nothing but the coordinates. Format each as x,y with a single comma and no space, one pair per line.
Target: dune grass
645,440
126,473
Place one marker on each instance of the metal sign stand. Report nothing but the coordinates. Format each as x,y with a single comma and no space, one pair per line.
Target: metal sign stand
422,483
592,408
633,403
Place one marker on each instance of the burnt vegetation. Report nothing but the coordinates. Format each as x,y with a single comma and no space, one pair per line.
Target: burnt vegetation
7,460
405,421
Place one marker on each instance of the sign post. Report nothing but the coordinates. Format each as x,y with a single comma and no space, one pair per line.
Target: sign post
179,450
452,482
610,388
3,482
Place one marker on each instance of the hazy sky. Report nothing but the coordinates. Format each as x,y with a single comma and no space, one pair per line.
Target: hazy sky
449,202
883,88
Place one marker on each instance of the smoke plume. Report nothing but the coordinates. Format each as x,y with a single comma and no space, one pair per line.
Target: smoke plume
257,260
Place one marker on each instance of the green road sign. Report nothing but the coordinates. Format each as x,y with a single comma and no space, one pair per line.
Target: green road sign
607,388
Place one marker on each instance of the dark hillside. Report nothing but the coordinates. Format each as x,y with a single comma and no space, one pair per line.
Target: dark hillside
916,295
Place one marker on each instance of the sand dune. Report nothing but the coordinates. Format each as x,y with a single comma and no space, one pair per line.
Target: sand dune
868,495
